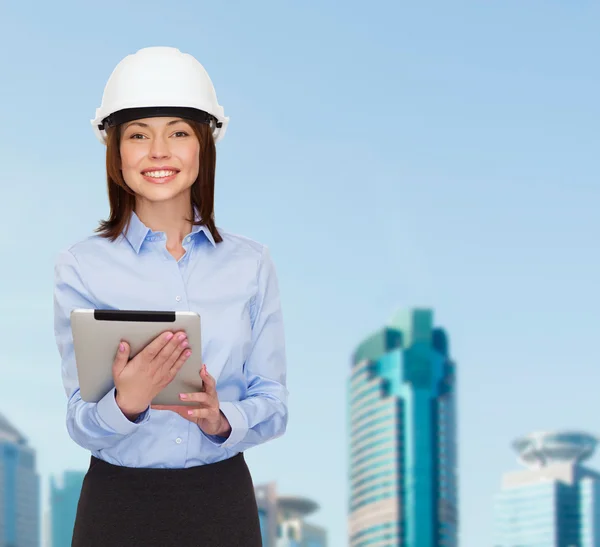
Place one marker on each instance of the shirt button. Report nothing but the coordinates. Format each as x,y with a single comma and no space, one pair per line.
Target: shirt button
187,239
178,440
178,298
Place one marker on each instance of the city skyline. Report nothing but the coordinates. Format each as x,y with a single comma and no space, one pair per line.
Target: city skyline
23,523
409,352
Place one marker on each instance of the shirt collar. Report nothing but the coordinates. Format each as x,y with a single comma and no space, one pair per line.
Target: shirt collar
137,232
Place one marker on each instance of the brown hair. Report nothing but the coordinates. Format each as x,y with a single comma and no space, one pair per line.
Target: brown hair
122,199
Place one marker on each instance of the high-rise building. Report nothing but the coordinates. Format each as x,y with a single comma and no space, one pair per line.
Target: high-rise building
19,490
556,501
282,520
402,425
64,498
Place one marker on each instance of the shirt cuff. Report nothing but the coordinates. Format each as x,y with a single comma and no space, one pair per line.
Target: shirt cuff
110,413
239,425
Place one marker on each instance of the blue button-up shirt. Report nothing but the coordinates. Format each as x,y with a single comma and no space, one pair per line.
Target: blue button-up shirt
233,286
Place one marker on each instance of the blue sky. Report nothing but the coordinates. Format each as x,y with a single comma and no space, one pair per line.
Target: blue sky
390,155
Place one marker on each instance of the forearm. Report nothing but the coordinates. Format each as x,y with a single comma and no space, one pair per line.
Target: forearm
95,426
266,418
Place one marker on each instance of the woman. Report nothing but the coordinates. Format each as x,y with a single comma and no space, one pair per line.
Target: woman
162,476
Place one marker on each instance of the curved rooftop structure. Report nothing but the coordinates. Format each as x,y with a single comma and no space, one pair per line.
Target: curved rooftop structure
295,506
544,448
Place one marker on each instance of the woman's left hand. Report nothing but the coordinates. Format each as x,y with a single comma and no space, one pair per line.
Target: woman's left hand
206,414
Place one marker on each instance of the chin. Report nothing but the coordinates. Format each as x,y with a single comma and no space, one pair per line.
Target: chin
159,193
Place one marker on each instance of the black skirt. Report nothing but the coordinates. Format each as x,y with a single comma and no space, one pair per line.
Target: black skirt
211,505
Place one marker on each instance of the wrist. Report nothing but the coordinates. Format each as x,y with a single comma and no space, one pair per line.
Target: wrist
130,410
225,427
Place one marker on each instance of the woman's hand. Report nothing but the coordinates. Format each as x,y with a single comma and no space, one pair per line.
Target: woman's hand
206,414
140,379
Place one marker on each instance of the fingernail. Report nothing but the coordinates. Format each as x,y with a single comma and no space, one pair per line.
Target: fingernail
184,344
121,347
188,353
169,335
182,336
183,395
190,412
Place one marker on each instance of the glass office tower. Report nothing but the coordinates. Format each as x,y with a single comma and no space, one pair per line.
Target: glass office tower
556,501
402,424
19,490
282,520
64,498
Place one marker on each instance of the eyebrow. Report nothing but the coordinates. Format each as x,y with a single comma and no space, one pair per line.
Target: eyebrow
142,124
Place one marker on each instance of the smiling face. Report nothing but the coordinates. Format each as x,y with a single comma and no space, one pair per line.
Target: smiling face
159,158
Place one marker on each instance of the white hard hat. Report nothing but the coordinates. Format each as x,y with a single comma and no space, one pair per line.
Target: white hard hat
159,81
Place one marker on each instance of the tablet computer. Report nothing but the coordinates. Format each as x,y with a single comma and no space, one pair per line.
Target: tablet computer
96,337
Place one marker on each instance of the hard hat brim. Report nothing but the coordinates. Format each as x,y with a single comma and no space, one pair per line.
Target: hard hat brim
129,114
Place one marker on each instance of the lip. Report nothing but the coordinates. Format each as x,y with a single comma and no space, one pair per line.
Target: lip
160,180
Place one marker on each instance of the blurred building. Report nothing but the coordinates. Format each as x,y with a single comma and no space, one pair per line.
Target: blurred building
402,423
556,501
282,520
19,490
46,529
64,498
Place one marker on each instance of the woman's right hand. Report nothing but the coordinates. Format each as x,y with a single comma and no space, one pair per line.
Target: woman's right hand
140,379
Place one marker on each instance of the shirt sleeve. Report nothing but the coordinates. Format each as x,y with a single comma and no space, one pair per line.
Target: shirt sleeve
263,414
93,426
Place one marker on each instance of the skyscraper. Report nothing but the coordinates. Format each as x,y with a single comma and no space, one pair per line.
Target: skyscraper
556,501
19,490
63,507
282,520
402,424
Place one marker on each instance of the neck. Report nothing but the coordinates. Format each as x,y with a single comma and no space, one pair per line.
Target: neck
170,217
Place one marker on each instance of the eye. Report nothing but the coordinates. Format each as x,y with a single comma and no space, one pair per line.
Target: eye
136,135
183,133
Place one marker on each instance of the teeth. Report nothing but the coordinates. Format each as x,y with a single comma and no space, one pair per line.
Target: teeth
159,174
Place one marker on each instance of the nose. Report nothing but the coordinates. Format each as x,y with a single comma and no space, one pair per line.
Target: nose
159,148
